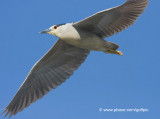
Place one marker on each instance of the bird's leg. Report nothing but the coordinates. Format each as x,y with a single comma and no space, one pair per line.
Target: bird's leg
114,52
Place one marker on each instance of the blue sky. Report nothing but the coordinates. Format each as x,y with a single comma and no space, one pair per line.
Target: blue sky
103,81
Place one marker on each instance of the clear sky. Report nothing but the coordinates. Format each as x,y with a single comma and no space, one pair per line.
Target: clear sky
104,81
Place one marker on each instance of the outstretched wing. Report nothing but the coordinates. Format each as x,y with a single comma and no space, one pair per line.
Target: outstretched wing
48,73
108,22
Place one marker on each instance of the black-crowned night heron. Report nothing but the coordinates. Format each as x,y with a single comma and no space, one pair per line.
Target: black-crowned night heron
74,44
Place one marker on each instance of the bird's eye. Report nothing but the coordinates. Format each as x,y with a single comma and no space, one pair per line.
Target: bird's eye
55,27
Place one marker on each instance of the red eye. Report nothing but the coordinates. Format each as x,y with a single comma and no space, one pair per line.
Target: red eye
55,27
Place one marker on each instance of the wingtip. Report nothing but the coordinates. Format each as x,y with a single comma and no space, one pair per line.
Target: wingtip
6,112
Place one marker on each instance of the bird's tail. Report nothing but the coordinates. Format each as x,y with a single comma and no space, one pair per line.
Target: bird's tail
111,45
111,48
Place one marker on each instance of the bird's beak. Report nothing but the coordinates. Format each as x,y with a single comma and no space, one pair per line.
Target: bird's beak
45,31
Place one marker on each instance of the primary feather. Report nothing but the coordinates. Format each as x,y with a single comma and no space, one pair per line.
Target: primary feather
48,73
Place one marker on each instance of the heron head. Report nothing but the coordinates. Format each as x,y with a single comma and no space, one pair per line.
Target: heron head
53,30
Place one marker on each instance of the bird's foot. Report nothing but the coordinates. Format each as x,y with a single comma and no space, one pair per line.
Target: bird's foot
119,53
114,52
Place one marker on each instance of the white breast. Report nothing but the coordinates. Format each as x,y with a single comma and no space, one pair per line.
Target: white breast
81,39
68,33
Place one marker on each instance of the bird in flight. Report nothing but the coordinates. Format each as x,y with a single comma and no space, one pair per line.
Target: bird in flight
75,40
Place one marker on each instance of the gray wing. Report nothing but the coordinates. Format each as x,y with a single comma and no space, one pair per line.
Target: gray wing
114,20
48,73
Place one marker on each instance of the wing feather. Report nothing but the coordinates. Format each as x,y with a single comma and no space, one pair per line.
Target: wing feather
48,73
111,21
